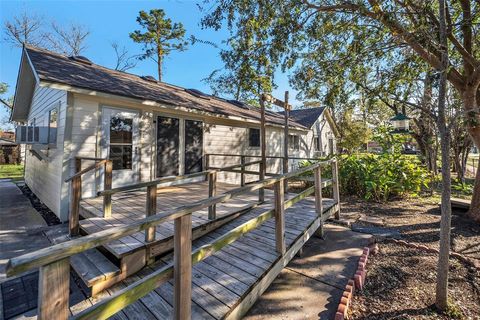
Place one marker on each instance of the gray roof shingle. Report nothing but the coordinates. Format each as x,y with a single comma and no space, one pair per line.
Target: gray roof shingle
306,117
56,68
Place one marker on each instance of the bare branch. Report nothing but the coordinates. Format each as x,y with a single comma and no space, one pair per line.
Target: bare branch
124,61
24,29
70,41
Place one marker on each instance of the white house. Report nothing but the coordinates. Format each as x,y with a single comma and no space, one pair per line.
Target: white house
149,129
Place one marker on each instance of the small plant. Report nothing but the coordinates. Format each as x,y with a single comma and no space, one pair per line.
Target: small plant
453,311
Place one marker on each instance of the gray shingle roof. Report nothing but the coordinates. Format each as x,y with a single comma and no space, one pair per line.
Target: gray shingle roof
305,117
52,67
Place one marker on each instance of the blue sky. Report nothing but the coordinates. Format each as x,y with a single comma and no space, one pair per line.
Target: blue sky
110,21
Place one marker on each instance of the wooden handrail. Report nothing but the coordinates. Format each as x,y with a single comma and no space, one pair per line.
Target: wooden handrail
90,158
255,156
59,251
87,169
142,185
156,182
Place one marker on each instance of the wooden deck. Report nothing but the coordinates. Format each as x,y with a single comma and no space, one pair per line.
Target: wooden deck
128,207
226,284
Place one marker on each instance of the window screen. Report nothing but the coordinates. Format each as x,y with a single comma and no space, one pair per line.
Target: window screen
254,137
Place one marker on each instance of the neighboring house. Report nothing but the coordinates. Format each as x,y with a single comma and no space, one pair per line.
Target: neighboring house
9,151
149,129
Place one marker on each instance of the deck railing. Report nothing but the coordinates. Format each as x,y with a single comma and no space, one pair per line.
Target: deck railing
76,189
54,261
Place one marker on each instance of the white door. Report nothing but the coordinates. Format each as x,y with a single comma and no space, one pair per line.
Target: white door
120,144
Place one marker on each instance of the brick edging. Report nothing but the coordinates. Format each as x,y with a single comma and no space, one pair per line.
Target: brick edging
355,283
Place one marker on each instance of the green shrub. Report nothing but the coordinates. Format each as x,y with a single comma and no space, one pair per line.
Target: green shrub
381,177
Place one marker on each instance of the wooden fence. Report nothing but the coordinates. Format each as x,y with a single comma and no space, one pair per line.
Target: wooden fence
54,261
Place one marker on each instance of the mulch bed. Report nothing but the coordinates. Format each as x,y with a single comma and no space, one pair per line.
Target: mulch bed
401,280
50,218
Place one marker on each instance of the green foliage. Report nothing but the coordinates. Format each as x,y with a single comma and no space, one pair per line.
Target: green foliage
354,134
379,177
392,143
462,188
453,311
159,36
382,177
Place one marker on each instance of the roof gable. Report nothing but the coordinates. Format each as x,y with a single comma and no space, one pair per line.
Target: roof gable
24,89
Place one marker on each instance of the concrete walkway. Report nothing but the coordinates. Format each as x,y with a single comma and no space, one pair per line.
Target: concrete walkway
311,286
21,226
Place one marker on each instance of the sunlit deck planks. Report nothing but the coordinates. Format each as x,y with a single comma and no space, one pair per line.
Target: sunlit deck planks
227,283
130,206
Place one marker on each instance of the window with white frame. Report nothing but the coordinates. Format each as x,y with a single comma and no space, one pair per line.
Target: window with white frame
52,126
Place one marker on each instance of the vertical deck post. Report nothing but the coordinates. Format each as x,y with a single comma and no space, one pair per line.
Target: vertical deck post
280,217
151,209
336,192
263,145
285,140
73,221
76,188
212,191
207,161
107,185
317,172
182,270
242,175
54,290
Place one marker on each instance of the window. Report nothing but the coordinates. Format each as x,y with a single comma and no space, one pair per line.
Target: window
253,137
52,126
331,148
293,142
316,143
31,129
121,142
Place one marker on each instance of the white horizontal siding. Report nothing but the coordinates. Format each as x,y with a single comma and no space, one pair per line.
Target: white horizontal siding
45,177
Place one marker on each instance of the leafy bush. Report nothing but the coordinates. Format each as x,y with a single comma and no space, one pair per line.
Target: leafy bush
379,177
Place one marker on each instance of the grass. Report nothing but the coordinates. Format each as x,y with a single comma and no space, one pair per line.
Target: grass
12,171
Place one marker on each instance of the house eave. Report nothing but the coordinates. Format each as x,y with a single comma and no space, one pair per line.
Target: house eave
151,103
24,89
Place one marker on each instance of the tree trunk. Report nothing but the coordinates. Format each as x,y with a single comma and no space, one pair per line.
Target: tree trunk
473,126
159,64
441,296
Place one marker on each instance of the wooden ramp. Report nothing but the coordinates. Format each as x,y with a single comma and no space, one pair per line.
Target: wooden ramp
226,284
129,254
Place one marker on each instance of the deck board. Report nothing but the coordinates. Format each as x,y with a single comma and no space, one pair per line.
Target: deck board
129,207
